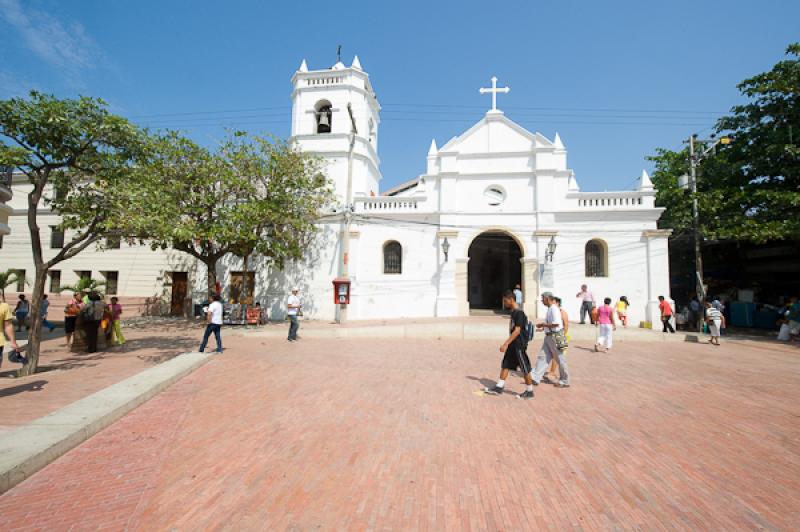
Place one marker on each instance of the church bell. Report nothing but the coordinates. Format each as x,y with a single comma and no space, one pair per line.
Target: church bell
324,122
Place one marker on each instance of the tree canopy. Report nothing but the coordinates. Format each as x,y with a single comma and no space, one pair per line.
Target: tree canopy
251,195
750,189
76,156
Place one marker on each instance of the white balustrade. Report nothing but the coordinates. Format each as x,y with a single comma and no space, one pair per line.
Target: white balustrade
588,201
386,204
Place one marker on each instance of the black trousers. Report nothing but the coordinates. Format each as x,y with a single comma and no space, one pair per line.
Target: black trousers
667,325
90,328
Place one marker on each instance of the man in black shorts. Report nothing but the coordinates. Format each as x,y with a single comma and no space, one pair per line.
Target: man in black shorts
514,348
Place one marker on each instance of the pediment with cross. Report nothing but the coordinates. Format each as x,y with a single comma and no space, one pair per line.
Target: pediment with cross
496,133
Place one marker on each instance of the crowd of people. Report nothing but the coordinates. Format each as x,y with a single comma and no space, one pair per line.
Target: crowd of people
95,317
551,364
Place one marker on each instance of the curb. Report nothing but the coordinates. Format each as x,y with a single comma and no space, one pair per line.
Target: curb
29,448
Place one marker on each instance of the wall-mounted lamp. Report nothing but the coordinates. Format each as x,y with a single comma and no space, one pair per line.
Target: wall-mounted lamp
445,248
551,249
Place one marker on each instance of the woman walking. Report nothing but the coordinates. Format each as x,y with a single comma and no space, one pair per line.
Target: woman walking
622,310
716,321
605,324
21,312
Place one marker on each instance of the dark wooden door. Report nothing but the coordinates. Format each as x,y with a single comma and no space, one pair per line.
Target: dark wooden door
180,281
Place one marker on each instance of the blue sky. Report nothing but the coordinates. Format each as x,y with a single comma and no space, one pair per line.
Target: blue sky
616,79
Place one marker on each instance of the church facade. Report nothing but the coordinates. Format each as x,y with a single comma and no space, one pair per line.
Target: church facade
497,206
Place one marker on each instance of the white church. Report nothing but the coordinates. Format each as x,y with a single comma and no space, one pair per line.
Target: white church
497,206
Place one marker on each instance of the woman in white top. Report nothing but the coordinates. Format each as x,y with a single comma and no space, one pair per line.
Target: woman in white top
715,321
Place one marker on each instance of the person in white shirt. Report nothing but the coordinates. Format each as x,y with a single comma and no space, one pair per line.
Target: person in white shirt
293,305
214,323
587,303
552,325
715,321
518,295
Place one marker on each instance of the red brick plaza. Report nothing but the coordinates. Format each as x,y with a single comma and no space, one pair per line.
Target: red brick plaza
354,434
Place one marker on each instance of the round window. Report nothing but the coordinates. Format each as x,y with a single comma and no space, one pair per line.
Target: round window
494,195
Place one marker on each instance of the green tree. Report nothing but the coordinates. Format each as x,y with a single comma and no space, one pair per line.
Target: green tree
75,155
251,196
7,278
750,189
84,284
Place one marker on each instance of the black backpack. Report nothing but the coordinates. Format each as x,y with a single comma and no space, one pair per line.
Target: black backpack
527,331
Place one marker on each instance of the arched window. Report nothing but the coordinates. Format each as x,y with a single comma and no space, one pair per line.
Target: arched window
324,116
392,257
596,259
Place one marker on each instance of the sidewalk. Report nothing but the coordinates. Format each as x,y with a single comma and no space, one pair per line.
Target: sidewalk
66,377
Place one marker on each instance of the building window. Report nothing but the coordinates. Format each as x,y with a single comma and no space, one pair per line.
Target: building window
596,259
113,242
324,116
20,280
495,195
112,279
238,294
55,281
392,257
56,237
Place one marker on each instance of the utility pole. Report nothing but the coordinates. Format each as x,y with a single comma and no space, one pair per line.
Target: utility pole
694,160
341,315
698,256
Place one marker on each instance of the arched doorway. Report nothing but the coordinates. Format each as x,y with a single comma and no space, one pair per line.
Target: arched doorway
494,266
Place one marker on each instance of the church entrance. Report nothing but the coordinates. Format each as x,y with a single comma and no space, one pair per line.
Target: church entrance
494,267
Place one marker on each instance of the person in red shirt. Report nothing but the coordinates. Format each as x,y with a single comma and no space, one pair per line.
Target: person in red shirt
666,314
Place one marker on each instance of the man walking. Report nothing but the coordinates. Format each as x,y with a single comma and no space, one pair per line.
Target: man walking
587,303
513,349
552,326
44,309
214,320
6,328
293,305
666,314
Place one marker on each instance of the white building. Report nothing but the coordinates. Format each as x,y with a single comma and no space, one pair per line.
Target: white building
450,241
5,196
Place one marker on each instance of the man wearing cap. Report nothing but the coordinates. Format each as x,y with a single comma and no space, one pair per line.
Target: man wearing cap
552,324
292,308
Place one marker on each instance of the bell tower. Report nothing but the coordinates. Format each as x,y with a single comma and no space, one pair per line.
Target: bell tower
327,106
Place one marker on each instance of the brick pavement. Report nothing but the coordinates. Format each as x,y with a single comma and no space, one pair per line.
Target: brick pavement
72,376
353,434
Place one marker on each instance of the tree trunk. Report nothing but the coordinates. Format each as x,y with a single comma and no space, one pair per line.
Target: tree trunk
35,332
243,295
211,276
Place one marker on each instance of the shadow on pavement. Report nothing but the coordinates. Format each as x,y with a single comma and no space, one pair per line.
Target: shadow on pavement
33,386
488,383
